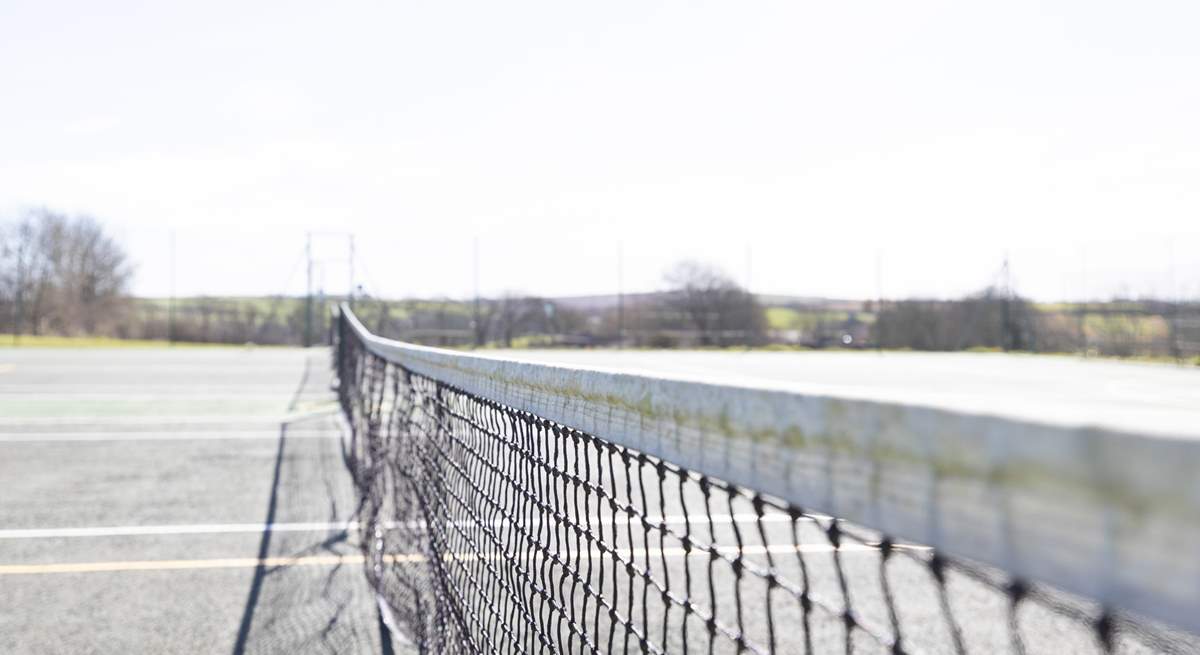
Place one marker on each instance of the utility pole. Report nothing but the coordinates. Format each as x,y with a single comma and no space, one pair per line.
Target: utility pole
1173,330
620,297
171,301
308,293
19,310
351,260
477,320
878,298
749,268
1081,309
1006,330
1172,307
321,299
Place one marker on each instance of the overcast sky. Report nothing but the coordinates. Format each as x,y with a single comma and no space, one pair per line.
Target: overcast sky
816,148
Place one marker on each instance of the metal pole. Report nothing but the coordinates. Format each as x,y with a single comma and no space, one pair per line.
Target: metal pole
620,297
1006,331
1081,327
351,295
308,293
19,310
171,302
878,299
1173,300
1173,331
477,325
321,300
1082,308
749,268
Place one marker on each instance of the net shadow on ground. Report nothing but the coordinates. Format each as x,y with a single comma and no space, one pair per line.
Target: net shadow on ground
323,608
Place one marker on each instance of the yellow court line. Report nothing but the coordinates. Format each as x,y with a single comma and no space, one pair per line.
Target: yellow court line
186,564
178,564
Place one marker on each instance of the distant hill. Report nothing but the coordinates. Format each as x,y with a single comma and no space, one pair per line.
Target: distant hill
609,301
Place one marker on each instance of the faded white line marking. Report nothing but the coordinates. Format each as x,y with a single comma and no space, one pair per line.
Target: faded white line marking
226,528
143,530
29,437
402,558
159,419
178,564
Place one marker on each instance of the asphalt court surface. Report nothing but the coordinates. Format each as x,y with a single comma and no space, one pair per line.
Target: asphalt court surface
134,487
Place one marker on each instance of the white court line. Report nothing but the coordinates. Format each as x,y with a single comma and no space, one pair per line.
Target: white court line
271,434
230,528
160,419
402,558
145,419
56,387
145,397
179,564
143,530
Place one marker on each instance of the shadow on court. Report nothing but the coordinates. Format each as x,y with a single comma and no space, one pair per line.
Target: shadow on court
301,608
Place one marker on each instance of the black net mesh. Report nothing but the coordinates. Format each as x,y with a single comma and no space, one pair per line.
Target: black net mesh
491,530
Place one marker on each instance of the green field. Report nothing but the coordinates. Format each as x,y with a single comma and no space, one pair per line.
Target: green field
789,318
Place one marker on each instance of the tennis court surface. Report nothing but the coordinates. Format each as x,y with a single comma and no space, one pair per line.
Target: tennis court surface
134,490
691,502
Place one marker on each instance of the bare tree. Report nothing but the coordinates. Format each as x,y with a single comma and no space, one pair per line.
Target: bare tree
515,315
989,319
62,274
12,270
714,305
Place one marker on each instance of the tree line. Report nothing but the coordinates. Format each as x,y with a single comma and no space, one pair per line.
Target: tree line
62,274
701,306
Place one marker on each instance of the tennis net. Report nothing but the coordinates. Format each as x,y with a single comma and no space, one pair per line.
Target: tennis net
512,507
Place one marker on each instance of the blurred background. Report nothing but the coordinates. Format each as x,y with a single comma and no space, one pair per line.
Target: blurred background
928,176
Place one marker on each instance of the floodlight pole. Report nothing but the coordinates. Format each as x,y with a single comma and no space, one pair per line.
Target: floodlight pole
620,296
1083,305
878,299
1006,327
308,293
1172,306
477,325
749,268
171,301
19,310
351,294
